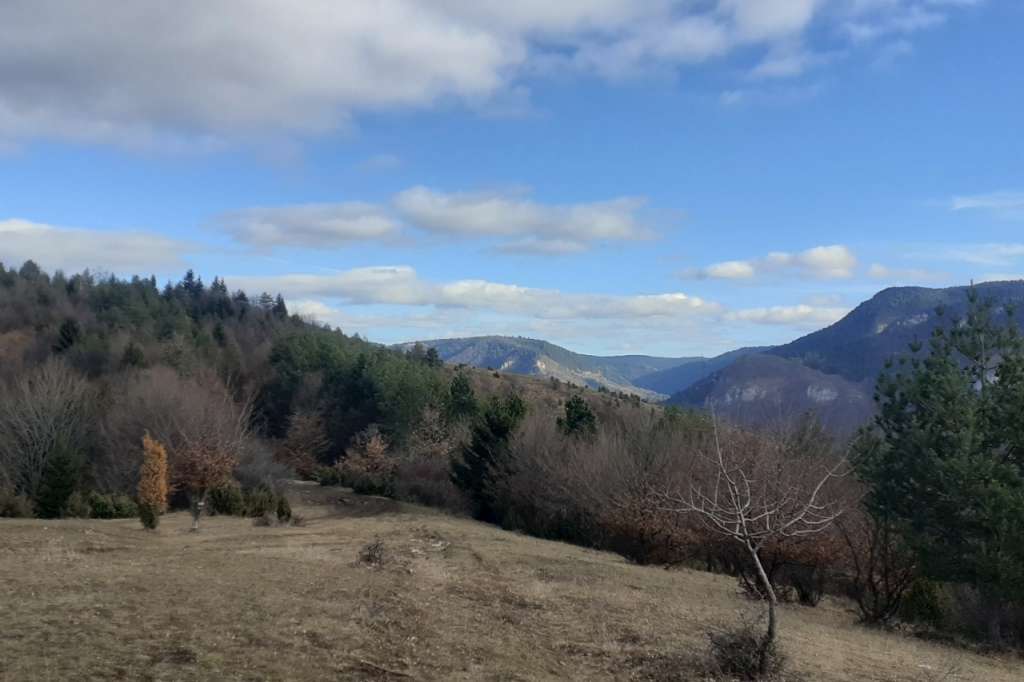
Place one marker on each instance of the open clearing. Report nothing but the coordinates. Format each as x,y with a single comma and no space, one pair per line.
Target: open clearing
451,599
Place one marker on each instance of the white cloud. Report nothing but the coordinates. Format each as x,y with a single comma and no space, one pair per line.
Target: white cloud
889,274
796,315
75,249
1003,204
539,227
996,255
401,285
199,72
821,262
310,225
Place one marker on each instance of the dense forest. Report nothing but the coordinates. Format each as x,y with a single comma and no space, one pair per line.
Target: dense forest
102,379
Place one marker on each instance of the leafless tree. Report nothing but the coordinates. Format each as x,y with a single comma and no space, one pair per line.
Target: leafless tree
44,409
757,488
197,418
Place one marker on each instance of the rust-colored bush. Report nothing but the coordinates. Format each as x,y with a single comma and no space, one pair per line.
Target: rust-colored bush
153,483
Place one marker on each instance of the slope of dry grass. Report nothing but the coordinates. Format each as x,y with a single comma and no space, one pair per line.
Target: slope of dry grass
450,599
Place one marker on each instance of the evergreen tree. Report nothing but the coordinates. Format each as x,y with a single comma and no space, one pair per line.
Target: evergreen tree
133,356
432,358
943,461
58,482
280,309
461,400
488,447
579,420
69,334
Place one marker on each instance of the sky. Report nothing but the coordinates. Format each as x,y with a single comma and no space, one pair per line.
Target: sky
668,177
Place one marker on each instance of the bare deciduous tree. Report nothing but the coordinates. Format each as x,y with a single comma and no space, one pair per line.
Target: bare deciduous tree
756,488
40,412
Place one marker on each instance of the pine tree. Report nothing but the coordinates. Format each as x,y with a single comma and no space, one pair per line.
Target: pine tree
943,459
579,420
69,334
487,448
460,402
58,482
153,486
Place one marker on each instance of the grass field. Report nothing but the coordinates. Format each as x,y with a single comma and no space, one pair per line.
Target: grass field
450,599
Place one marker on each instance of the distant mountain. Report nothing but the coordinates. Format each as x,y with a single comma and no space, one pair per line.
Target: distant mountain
857,346
534,357
760,388
832,371
682,376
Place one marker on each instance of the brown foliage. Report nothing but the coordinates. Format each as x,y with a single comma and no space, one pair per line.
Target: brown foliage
367,468
305,444
153,483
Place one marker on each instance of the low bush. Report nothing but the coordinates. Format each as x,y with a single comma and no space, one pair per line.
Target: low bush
284,509
78,506
260,501
326,475
114,506
227,499
14,506
740,652
428,482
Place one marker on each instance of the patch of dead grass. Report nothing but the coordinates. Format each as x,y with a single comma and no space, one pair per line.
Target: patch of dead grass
453,600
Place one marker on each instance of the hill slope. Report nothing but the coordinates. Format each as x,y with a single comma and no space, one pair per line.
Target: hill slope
534,357
452,599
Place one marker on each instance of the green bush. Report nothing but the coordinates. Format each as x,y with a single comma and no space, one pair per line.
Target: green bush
327,476
227,499
114,506
284,509
260,501
922,604
14,506
149,515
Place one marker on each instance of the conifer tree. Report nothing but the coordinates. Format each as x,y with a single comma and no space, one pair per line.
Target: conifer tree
487,448
943,460
579,420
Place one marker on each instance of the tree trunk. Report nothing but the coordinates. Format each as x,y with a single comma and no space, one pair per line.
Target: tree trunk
196,504
769,636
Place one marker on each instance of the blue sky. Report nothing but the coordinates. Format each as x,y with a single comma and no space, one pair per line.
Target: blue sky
670,177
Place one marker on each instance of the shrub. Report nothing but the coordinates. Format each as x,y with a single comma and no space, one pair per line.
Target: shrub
111,506
14,506
284,509
741,652
260,501
367,467
428,482
227,499
153,486
78,506
922,604
148,516
326,475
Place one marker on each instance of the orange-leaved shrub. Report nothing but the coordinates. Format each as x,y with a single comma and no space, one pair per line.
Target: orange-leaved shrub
153,485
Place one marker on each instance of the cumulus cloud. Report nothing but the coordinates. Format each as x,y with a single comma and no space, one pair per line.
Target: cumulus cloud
540,228
201,71
310,225
821,262
74,249
401,285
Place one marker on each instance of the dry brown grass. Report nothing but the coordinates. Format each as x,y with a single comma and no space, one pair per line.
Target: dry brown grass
448,599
